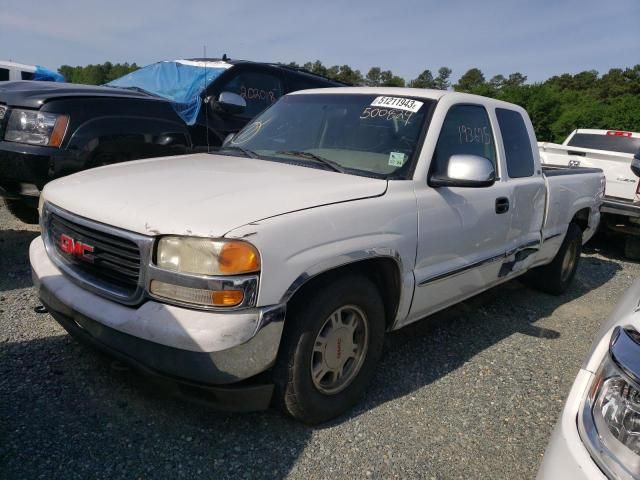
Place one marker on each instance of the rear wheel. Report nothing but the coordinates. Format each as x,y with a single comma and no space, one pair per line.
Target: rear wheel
22,211
331,344
556,277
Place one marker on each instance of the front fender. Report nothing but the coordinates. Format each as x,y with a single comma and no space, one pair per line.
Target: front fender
301,245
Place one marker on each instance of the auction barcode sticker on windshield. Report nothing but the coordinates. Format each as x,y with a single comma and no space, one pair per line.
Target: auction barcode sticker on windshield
398,103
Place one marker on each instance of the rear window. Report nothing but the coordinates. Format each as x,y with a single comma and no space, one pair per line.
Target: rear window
611,143
4,74
517,146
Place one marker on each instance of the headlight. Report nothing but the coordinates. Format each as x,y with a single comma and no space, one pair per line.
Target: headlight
36,128
610,419
224,268
205,256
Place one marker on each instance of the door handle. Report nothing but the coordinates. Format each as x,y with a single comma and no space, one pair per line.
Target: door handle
502,205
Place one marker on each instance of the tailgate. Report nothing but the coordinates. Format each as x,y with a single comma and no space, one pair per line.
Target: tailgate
621,182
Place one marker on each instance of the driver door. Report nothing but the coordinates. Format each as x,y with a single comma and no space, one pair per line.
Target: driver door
462,231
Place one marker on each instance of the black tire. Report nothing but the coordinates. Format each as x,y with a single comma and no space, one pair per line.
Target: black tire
23,211
295,391
555,278
632,248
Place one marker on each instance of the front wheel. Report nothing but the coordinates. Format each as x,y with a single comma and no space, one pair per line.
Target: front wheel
331,345
556,277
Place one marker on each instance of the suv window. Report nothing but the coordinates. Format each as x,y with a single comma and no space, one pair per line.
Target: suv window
517,146
4,74
466,130
259,90
26,75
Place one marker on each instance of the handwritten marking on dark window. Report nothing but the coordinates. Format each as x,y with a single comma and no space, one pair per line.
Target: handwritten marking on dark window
474,134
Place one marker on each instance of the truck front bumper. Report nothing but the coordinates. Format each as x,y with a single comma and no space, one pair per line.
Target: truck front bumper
619,206
217,352
25,169
566,455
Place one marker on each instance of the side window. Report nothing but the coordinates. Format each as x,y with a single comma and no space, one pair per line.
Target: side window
4,74
259,90
466,130
517,146
27,75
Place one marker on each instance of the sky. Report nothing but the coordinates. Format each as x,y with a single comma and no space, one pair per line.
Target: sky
537,38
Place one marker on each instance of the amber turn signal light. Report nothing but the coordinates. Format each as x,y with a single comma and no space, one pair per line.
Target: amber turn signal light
227,298
238,257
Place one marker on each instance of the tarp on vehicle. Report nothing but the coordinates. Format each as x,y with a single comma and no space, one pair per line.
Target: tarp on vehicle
44,74
180,81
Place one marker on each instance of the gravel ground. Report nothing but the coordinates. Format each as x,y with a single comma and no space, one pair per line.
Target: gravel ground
470,393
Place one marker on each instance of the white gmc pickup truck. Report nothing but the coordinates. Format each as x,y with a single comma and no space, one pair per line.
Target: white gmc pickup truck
271,270
612,151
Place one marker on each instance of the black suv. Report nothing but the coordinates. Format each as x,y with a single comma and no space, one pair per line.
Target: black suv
48,130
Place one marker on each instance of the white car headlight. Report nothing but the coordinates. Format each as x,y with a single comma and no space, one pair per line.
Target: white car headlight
206,256
36,128
223,268
610,419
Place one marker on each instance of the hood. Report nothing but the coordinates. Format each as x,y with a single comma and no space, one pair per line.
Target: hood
32,94
201,194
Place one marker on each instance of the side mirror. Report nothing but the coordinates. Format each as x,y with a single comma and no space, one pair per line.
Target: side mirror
465,171
635,165
229,102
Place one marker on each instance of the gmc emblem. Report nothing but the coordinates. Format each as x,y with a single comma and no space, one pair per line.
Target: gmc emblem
75,248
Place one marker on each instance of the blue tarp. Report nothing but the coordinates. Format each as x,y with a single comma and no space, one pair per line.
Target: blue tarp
178,81
44,74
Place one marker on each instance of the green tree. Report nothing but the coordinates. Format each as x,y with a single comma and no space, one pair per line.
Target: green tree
388,79
441,82
470,81
424,80
372,78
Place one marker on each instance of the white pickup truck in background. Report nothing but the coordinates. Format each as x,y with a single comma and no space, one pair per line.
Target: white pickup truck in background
612,151
271,269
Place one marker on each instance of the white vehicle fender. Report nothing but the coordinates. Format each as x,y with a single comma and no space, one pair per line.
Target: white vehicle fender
299,246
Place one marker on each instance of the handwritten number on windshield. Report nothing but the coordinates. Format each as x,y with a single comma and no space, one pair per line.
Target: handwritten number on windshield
386,114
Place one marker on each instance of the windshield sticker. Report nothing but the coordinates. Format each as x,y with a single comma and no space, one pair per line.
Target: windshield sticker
397,159
398,103
387,114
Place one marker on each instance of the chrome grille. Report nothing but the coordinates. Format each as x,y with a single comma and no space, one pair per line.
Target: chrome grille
106,260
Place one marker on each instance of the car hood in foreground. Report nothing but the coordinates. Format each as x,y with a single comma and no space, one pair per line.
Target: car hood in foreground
201,194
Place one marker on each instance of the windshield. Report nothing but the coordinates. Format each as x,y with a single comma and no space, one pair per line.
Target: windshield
180,81
367,135
609,142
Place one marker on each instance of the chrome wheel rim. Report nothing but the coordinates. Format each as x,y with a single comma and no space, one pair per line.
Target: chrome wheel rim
339,349
569,261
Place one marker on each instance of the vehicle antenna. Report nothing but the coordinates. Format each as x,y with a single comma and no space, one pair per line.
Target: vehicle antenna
206,99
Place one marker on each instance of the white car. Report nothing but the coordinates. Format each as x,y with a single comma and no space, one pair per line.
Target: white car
612,151
19,71
598,433
279,262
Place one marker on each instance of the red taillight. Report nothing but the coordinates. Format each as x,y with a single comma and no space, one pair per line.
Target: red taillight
615,133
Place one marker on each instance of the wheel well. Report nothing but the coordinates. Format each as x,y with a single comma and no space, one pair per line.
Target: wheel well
581,218
382,271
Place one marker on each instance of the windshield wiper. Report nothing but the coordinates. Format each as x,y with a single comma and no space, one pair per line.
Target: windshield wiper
312,156
246,151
